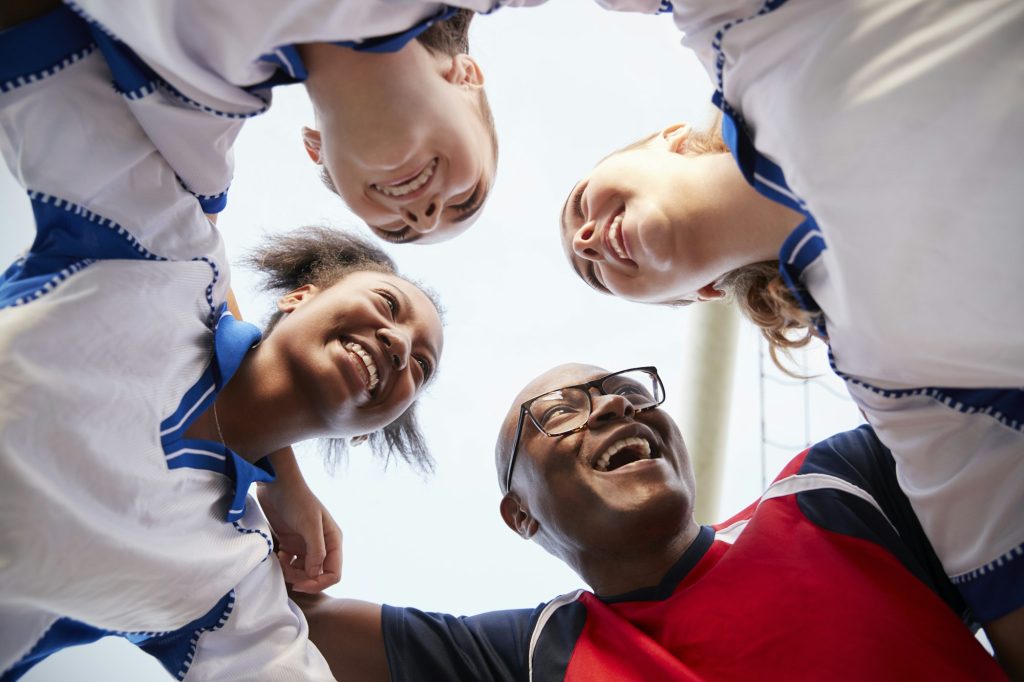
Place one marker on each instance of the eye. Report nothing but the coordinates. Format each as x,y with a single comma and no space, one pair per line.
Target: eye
391,300
399,236
425,368
470,202
577,202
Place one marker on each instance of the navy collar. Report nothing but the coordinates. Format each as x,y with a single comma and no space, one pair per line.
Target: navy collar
675,575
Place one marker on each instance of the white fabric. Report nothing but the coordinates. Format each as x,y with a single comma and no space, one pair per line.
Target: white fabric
93,525
899,123
210,50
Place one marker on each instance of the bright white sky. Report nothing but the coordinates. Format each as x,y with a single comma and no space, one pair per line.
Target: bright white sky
568,82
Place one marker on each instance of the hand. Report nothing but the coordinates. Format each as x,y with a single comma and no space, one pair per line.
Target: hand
309,541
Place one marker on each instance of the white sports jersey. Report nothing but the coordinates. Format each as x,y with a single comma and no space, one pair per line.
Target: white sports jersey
896,124
193,71
111,342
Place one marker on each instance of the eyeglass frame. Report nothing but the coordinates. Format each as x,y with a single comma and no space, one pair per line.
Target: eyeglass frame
596,383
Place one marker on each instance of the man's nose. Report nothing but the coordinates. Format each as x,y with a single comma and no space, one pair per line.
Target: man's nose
608,408
585,242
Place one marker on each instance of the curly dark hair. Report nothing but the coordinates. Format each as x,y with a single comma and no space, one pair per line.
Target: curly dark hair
323,256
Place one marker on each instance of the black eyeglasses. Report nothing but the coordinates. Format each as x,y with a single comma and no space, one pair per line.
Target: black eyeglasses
567,410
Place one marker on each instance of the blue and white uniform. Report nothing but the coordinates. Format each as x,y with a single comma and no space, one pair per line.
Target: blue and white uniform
193,71
896,124
113,338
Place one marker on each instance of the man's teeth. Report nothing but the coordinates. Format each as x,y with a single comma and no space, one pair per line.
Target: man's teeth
410,186
371,366
613,237
640,447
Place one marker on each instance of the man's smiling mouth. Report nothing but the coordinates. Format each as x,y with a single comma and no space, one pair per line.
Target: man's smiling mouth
622,452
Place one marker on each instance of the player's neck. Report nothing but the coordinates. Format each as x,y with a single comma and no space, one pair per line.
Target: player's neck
636,567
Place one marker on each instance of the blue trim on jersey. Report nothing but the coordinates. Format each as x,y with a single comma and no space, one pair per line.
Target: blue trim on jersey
64,633
69,238
289,68
174,649
802,247
232,340
134,79
396,41
557,641
997,588
758,170
41,47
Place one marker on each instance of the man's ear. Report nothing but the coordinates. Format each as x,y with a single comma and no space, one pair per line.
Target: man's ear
293,299
311,141
517,517
464,71
675,136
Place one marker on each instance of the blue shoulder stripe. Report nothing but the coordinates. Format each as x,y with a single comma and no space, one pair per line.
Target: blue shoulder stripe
41,47
396,41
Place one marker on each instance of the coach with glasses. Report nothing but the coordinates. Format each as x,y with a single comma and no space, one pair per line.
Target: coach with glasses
826,576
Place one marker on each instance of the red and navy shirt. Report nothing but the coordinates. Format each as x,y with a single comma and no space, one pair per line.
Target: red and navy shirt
827,576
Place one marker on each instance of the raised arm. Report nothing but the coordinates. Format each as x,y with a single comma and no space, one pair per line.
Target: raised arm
349,634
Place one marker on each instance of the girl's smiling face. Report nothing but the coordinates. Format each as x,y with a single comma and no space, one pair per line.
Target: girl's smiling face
634,227
359,352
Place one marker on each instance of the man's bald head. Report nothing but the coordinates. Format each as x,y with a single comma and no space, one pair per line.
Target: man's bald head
555,378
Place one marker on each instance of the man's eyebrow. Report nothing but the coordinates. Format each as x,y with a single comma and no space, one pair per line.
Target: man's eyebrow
476,199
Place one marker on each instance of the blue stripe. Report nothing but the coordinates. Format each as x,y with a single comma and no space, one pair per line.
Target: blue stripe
396,41
176,650
761,173
758,170
290,68
232,340
134,79
64,633
802,247
41,47
69,237
1005,405
995,589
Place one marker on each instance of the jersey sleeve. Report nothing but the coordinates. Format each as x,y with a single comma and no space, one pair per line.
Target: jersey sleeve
262,635
422,646
882,514
98,189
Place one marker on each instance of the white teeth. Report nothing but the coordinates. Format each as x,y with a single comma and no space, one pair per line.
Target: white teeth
641,444
371,366
411,186
613,237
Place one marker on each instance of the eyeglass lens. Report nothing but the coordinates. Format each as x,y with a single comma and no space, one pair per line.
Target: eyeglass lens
566,409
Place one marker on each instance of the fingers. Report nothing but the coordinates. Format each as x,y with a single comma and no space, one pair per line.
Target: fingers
313,535
332,543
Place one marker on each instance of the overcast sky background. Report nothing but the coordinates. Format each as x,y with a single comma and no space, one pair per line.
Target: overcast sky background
568,82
